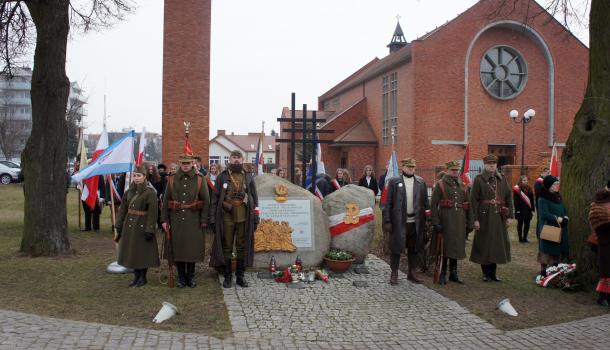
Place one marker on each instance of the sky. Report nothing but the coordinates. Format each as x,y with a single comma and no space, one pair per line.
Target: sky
261,52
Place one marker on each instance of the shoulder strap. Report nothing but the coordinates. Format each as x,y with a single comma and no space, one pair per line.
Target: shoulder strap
170,184
442,186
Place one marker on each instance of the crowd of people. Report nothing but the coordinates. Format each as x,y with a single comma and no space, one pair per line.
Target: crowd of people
187,200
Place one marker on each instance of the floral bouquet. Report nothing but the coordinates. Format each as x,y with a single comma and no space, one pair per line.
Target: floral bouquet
560,276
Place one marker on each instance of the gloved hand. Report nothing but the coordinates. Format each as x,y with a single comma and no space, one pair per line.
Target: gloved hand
387,227
564,222
212,227
148,236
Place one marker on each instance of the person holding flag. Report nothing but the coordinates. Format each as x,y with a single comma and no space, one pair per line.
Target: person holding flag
184,215
523,199
94,190
136,226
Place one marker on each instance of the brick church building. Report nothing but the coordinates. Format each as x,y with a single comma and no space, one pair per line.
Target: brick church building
456,86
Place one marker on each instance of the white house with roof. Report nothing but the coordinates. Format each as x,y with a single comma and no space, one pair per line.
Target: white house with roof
222,144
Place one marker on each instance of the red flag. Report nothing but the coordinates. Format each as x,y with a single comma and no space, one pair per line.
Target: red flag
141,148
89,194
553,166
464,171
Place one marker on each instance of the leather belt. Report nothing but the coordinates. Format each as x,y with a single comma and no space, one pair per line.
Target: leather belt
492,201
448,203
137,212
174,205
236,202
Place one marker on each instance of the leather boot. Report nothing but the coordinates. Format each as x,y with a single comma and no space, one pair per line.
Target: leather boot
181,267
239,274
603,299
190,275
142,280
493,276
228,282
394,277
442,280
412,260
485,269
136,277
453,275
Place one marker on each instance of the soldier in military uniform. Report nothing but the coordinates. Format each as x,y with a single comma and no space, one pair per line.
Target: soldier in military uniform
451,218
136,225
492,210
185,214
404,217
234,219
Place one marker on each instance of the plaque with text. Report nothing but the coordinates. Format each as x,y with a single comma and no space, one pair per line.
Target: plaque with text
297,212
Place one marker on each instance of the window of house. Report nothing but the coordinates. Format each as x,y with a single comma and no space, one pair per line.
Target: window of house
389,105
326,105
214,160
269,160
226,160
336,102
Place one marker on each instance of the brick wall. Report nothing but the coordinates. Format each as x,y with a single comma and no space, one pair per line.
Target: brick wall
186,76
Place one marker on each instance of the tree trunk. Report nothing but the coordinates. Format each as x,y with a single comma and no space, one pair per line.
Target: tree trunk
45,155
586,159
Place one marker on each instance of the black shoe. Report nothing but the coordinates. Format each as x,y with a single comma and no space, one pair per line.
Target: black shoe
136,277
190,275
228,282
496,278
181,267
442,279
239,274
453,277
142,281
602,301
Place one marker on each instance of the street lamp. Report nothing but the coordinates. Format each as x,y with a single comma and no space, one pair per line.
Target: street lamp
527,117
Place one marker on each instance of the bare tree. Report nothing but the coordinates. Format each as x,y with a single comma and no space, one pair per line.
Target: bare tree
586,158
74,118
45,26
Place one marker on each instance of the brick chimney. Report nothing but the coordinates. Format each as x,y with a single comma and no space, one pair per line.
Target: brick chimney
221,133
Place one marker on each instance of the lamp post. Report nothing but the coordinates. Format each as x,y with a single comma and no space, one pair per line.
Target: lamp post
526,118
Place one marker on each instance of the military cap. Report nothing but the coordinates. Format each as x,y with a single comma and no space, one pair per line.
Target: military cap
236,153
453,165
185,158
490,158
142,169
410,162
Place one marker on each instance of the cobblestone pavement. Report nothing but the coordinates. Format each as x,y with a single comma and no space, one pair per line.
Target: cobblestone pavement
337,315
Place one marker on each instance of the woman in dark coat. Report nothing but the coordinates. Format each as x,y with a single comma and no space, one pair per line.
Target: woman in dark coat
368,180
552,211
523,200
136,225
599,218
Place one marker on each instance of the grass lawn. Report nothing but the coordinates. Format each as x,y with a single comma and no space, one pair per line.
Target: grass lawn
536,306
78,288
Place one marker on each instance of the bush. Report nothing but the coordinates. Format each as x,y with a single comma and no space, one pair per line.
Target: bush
338,254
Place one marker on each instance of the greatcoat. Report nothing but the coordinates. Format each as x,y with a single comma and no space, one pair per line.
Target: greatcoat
135,252
491,244
187,235
395,212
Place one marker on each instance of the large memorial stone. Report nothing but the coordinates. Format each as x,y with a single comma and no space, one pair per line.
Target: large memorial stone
303,211
357,238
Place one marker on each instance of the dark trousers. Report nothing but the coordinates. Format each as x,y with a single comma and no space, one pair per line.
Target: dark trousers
489,270
411,242
523,228
92,216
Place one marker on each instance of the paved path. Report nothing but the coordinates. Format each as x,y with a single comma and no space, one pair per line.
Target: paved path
321,316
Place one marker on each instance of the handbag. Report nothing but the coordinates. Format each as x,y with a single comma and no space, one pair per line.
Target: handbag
551,233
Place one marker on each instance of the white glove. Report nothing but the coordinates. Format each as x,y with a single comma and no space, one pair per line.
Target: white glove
559,220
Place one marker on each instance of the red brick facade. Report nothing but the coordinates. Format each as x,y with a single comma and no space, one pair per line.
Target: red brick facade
435,95
186,76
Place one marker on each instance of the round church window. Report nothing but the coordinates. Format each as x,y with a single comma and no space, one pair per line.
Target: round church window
503,72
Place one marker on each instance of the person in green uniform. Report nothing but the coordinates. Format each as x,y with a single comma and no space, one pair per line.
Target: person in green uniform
492,210
451,218
185,215
136,225
234,219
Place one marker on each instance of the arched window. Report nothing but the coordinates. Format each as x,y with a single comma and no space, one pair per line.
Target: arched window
503,72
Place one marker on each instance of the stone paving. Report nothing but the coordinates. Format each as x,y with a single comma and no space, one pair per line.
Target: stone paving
337,315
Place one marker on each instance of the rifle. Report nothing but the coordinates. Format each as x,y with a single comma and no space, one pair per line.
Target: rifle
168,250
438,266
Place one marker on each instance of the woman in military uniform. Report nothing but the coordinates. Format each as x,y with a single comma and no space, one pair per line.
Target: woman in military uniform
136,226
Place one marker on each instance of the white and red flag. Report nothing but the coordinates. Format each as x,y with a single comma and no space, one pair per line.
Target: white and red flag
392,172
141,147
90,188
464,171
